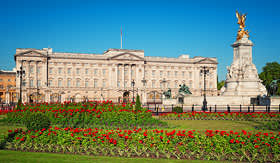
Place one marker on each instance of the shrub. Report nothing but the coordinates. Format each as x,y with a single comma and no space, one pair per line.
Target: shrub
37,121
138,103
178,109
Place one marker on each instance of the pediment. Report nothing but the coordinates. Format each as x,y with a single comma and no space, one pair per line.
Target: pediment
30,53
126,56
206,61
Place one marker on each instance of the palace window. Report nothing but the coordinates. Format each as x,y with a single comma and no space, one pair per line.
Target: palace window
50,70
132,72
78,71
78,83
153,84
59,71
95,72
104,72
176,73
23,83
118,84
86,71
153,73
38,70
86,83
69,83
168,73
50,83
125,83
161,73
104,84
95,83
31,83
38,83
183,74
190,84
190,74
59,82
69,71
31,69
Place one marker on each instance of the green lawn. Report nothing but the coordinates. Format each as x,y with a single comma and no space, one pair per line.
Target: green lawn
16,156
226,125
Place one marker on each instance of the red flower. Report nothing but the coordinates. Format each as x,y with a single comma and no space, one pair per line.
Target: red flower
168,141
256,146
141,141
10,131
126,137
72,134
22,139
17,138
231,141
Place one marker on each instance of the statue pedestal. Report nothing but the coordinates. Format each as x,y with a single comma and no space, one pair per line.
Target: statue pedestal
242,76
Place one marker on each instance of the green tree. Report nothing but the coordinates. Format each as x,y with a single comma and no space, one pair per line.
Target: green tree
220,84
271,71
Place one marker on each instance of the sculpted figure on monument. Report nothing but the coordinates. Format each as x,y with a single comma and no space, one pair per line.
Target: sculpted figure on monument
229,74
167,93
184,89
241,21
273,87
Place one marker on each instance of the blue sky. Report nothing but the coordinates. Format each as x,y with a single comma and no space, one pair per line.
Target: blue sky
159,27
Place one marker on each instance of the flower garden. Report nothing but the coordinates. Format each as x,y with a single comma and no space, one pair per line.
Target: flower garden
107,129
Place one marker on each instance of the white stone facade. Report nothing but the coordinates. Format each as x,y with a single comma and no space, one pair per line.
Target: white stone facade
242,76
56,76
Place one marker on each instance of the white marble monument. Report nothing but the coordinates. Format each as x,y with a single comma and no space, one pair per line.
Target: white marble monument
242,76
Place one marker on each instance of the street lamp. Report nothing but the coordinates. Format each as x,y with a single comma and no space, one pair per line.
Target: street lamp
20,73
203,72
102,94
133,83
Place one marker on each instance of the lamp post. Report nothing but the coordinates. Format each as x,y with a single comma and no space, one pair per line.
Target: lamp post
102,94
133,83
203,72
20,73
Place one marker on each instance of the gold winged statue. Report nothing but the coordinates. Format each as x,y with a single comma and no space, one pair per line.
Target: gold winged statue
241,21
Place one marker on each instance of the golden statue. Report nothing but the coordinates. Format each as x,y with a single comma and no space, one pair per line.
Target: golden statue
241,21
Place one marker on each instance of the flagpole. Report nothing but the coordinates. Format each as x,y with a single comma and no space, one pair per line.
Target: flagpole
121,38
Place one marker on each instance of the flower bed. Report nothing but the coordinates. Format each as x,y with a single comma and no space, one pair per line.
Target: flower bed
256,116
92,114
180,144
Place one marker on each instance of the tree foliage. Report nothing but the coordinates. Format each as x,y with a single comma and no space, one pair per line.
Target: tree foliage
220,84
271,71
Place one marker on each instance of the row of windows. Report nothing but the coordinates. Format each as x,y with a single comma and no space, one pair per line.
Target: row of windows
9,80
78,71
2,87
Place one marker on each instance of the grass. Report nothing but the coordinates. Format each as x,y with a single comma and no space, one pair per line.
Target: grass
22,157
225,125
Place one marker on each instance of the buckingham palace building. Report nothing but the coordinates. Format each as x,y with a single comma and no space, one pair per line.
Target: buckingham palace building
117,75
